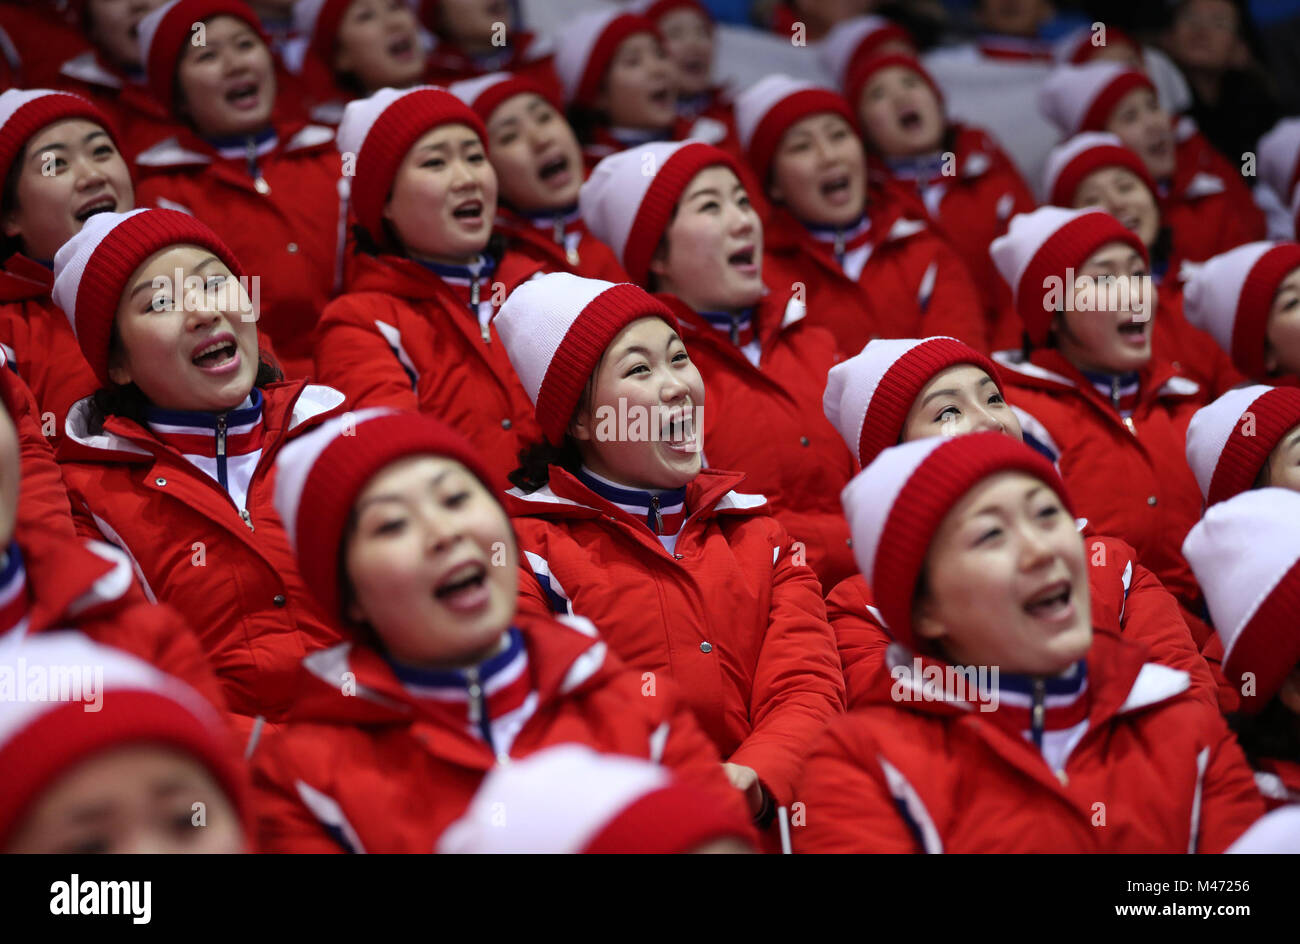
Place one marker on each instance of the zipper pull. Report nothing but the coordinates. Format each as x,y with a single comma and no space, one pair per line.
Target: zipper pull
558,230
735,329
1039,712
221,436
475,695
259,183
658,518
839,244
1114,392
484,328
248,519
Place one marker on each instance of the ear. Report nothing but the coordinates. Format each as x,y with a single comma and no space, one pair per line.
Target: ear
343,61
118,372
581,427
774,193
1270,359
1289,693
925,625
659,261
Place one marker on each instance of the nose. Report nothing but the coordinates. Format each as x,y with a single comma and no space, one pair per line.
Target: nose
1035,548
987,420
441,529
673,388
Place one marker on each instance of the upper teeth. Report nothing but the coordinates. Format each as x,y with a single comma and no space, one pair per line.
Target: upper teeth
209,348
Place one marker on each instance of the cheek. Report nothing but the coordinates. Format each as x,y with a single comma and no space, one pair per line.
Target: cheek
696,247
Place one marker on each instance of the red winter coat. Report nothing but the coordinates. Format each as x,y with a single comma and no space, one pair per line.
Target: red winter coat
591,258
913,285
39,342
401,337
292,235
971,209
88,586
767,421
1206,204
41,41
730,617
139,120
43,501
1129,478
235,579
1126,598
1189,350
1156,771
373,772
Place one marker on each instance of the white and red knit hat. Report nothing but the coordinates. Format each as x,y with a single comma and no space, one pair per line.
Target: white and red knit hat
1230,440
555,329
1081,98
1041,246
896,504
317,21
570,799
381,129
23,112
629,197
869,395
485,93
1078,48
856,39
585,47
165,31
863,71
119,701
1073,160
1279,158
320,475
91,270
1245,553
1231,294
767,109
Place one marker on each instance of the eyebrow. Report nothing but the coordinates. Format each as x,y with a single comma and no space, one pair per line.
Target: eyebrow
1290,443
645,351
148,283
997,509
946,392
394,497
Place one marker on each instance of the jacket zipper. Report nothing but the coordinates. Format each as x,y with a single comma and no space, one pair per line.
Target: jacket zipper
658,518
484,327
221,452
478,706
839,246
259,183
735,329
1039,713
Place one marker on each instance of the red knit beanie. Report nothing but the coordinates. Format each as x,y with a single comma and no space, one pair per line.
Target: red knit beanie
486,93
1070,163
92,268
767,109
23,112
166,30
320,475
862,73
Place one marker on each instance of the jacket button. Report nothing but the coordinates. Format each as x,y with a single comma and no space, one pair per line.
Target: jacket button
677,557
160,481
1151,500
803,440
706,647
279,599
292,247
506,424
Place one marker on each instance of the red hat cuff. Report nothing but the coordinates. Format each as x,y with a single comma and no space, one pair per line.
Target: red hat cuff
1250,327
1098,114
790,110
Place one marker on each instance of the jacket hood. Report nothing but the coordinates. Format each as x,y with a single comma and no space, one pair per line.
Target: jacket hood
1048,370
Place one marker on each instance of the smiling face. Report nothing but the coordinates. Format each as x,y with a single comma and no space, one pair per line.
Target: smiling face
688,40
114,28
1110,329
1123,195
1007,581
1282,337
227,85
819,171
1144,127
192,349
431,562
535,154
711,256
378,44
640,87
958,400
134,799
646,367
444,196
900,113
87,175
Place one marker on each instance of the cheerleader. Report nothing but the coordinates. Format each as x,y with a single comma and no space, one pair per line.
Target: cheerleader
688,579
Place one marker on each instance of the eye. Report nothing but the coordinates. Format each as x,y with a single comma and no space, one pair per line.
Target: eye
637,369
216,281
947,411
434,163
1051,511
104,150
391,526
507,139
743,200
988,536
544,118
477,158
182,823
709,206
996,398
455,501
160,303
681,357
90,845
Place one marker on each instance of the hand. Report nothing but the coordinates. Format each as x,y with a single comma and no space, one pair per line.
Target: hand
745,779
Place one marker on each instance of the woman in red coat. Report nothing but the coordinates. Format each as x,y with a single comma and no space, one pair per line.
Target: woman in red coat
267,184
954,175
1096,169
171,459
1248,300
1117,412
867,265
414,329
1005,723
687,32
1246,553
400,537
618,521
1203,199
539,168
901,390
689,232
42,211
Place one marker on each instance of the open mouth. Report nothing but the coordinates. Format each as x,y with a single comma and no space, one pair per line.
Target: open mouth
244,95
104,204
1052,602
1131,221
553,168
471,211
742,258
910,120
698,67
1134,331
835,187
464,588
402,48
220,352
662,96
678,431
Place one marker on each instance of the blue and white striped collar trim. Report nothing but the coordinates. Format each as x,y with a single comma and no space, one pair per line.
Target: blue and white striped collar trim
828,232
924,166
635,501
235,146
722,320
178,421
494,672
1059,689
634,136
543,219
481,268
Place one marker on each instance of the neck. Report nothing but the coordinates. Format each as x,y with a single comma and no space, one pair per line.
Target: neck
592,466
422,663
461,261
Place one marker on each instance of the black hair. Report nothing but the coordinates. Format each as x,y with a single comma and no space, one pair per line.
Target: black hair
585,119
1273,732
9,203
535,461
